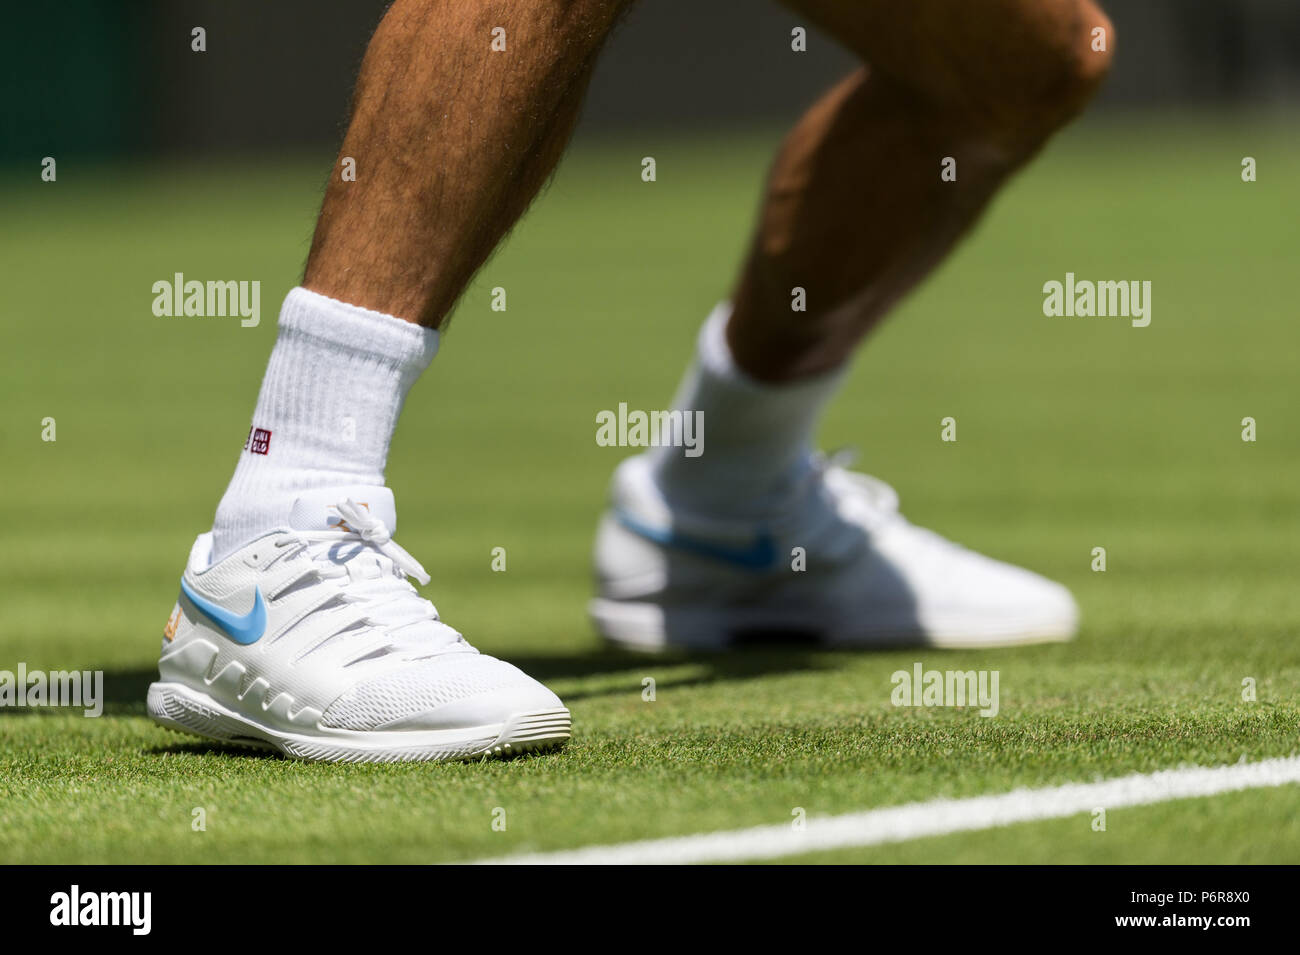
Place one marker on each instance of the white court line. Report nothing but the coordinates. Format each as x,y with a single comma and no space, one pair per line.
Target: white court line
935,818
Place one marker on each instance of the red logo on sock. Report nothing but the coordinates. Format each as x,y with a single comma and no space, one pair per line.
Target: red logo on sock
259,441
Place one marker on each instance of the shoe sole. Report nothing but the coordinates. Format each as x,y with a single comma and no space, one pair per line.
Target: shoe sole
649,628
186,710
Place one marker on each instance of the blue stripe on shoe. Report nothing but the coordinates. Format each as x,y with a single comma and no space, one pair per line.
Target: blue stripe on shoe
244,629
759,555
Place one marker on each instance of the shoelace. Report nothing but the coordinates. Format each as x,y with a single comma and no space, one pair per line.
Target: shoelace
391,602
874,500
376,533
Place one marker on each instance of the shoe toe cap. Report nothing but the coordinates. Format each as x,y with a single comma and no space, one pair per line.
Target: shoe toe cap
488,708
451,691
1002,599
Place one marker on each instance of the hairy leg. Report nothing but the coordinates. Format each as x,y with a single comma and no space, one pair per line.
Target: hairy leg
855,211
452,140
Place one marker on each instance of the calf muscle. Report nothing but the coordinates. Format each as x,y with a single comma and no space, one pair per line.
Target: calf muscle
855,210
451,141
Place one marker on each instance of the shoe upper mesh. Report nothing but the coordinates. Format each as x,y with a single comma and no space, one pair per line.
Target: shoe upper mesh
418,687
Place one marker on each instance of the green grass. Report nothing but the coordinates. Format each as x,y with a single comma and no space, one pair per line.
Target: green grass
1073,433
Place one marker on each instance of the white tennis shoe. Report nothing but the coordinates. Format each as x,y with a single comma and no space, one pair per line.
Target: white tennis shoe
840,566
310,640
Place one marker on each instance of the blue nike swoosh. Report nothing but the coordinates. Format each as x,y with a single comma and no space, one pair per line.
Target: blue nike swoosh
244,629
759,555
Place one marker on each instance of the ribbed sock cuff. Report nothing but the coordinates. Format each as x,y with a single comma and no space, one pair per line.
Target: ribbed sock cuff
357,331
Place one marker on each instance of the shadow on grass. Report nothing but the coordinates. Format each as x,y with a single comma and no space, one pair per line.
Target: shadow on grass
211,747
125,689
123,695
772,657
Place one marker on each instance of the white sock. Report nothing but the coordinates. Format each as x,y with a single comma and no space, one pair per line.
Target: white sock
757,437
334,386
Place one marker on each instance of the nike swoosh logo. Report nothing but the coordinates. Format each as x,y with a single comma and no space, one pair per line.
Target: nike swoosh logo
759,555
244,629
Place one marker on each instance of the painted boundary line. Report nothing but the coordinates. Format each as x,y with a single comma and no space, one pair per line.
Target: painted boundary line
935,818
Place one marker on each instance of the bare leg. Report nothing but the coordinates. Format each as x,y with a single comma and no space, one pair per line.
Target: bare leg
452,141
760,534
855,211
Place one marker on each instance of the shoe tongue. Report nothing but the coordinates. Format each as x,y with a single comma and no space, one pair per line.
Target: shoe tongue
318,510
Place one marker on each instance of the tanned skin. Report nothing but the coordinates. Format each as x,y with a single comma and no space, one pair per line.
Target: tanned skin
855,211
452,142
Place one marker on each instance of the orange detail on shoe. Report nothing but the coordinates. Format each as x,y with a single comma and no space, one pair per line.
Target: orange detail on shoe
169,631
344,524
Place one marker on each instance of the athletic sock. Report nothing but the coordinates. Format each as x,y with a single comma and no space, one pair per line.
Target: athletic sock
333,390
757,437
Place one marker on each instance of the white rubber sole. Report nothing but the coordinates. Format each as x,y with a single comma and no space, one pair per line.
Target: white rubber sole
649,628
186,710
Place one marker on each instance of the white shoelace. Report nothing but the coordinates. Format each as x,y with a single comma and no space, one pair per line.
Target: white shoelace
390,600
870,499
873,504
376,533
